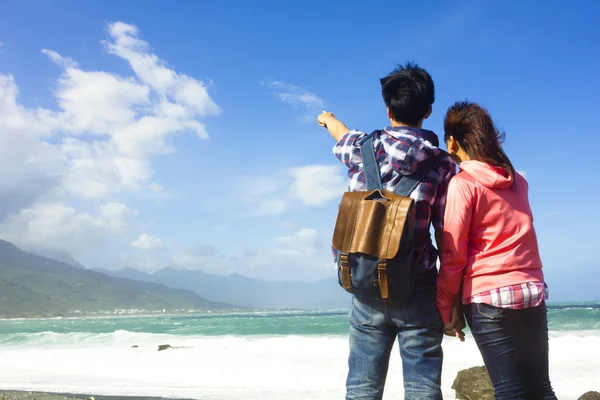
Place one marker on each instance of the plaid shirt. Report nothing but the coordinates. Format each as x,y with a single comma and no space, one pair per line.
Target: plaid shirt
515,297
399,150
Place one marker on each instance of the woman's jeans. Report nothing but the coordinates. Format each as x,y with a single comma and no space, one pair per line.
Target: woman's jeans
514,346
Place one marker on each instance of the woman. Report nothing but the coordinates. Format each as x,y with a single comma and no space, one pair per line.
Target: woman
490,258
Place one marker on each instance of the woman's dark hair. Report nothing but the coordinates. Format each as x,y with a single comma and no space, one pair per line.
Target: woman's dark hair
473,128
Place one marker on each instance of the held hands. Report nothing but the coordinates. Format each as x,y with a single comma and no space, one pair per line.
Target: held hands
455,328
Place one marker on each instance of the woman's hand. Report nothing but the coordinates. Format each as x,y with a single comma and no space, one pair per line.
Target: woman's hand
456,326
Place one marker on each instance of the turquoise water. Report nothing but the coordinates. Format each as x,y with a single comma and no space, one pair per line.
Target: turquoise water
561,318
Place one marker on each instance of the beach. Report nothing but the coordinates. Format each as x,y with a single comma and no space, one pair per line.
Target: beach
288,356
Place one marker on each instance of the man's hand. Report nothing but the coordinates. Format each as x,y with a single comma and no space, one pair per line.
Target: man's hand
450,330
336,128
324,118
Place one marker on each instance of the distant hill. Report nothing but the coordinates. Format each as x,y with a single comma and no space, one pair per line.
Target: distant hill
34,285
248,292
61,256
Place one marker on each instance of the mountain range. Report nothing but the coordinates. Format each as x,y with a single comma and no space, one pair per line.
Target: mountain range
34,285
244,291
41,283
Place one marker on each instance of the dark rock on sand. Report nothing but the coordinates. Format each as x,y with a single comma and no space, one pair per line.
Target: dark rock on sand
164,347
135,346
590,396
473,384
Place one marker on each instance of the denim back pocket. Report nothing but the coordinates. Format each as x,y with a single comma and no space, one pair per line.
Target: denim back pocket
360,314
488,311
422,309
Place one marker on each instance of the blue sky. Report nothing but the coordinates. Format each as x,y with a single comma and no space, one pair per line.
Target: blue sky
152,134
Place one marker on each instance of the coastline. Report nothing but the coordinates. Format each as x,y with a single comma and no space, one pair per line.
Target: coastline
25,395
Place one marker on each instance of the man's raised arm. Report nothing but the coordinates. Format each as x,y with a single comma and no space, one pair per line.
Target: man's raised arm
336,128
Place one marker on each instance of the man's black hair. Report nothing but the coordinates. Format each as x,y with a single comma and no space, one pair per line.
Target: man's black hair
408,92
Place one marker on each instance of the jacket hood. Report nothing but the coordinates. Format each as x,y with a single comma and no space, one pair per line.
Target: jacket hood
417,146
488,175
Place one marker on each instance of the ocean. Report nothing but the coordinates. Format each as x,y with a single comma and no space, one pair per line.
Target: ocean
261,355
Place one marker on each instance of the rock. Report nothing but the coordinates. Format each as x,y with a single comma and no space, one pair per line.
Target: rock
590,396
164,347
135,346
473,384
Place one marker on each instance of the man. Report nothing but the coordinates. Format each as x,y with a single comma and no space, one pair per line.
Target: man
408,93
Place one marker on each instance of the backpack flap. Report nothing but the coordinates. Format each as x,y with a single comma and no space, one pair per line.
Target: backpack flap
371,223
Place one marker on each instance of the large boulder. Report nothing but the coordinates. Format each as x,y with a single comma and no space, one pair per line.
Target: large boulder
473,384
590,396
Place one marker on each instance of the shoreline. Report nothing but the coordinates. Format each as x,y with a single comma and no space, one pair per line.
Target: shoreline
27,395
172,314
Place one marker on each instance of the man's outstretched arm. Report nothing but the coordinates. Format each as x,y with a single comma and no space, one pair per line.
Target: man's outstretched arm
336,128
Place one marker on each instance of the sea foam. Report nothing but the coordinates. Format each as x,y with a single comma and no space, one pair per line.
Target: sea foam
256,367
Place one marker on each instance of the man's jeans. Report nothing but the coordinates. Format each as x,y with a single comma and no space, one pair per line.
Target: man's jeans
374,327
514,346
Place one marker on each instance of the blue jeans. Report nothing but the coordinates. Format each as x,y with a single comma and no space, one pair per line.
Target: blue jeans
514,346
374,327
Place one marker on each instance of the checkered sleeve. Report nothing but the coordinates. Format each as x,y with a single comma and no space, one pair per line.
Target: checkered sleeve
447,171
347,149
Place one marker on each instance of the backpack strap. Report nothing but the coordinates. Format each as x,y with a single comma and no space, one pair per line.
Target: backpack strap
370,166
408,183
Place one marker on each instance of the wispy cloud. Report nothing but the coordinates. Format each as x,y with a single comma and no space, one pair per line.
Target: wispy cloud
317,185
312,185
298,97
65,62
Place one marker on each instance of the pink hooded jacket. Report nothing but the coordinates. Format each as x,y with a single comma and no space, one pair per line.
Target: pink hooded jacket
489,238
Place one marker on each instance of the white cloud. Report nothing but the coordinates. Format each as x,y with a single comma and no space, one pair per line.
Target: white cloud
312,185
263,195
130,119
304,241
147,242
523,173
99,142
316,185
307,236
31,166
298,97
268,207
59,226
183,90
65,62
